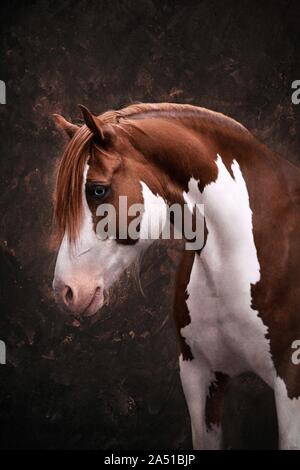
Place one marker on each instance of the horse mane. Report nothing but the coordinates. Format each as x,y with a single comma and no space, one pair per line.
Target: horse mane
170,111
68,190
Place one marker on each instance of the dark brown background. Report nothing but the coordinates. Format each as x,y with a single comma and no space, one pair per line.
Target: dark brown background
114,383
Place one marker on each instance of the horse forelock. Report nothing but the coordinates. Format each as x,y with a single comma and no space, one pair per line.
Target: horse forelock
68,190
68,201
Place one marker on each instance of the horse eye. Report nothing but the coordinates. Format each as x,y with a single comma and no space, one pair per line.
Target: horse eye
99,191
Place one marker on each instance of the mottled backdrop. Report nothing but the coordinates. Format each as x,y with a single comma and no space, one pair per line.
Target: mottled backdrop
114,383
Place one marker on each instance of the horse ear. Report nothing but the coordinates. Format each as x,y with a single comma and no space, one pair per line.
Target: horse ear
103,133
69,128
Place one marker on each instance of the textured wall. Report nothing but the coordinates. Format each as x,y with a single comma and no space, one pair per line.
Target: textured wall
115,383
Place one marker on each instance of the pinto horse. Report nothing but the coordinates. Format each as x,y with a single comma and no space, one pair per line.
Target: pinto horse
237,298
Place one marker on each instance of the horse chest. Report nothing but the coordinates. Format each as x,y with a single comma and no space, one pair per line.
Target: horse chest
224,330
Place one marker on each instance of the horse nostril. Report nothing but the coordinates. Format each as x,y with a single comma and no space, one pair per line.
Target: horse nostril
68,295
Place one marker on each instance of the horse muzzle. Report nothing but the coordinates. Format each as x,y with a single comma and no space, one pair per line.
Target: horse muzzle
77,299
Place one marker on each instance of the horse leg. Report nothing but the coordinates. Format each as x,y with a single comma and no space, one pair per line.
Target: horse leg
214,410
288,415
204,398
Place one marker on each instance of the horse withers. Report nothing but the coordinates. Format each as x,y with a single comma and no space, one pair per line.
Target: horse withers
237,297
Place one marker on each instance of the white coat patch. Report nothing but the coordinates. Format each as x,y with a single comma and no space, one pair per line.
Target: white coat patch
224,329
225,334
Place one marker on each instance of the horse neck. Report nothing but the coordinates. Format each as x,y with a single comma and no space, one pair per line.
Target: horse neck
180,150
217,165
175,153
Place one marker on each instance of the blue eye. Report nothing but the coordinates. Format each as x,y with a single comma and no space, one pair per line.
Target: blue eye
97,190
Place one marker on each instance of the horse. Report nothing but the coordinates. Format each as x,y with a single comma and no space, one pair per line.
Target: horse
237,296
